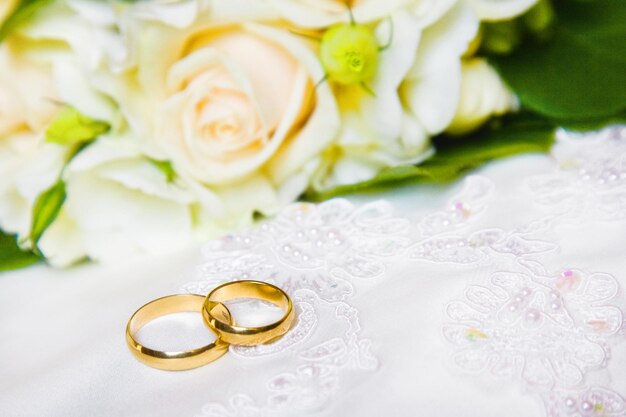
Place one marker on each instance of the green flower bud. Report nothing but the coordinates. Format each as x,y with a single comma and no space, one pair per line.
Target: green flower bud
540,19
349,54
501,38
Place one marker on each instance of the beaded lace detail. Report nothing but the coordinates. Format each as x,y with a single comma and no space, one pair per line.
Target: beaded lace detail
550,329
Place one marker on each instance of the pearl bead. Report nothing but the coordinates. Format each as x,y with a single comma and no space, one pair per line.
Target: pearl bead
518,299
533,315
331,235
296,253
337,242
319,243
526,292
300,234
246,240
570,403
313,231
586,407
513,307
305,258
286,248
446,222
555,305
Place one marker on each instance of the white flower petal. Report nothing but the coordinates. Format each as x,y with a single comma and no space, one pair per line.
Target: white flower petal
324,13
430,11
433,86
500,9
62,242
483,95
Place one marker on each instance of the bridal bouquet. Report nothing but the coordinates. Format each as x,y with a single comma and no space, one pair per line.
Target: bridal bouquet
140,126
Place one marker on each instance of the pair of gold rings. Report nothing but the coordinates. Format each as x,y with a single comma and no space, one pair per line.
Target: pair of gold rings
217,317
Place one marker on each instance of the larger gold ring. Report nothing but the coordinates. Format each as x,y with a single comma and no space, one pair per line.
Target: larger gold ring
174,361
247,336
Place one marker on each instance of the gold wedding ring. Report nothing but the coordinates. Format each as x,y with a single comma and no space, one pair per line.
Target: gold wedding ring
175,361
213,309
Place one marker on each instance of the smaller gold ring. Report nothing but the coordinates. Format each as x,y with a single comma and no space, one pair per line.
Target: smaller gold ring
174,361
247,336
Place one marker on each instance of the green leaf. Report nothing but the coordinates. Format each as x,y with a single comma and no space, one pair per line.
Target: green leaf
46,209
579,74
11,256
23,12
71,127
165,167
504,137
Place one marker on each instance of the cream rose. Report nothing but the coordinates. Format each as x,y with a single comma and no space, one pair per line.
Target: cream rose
233,102
231,105
483,95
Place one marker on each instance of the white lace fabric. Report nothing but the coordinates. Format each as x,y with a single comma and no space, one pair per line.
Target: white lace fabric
500,295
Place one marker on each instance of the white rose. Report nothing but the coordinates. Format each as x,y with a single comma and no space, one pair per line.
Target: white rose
36,75
111,29
231,106
27,168
118,205
500,9
323,13
376,131
417,90
483,95
39,75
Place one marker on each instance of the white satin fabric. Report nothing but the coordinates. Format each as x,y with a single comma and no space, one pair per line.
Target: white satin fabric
501,294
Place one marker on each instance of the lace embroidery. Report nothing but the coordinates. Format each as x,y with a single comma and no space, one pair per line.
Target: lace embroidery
549,330
590,179
594,401
316,253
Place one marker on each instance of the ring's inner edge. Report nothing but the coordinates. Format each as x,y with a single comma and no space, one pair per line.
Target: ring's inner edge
256,290
165,306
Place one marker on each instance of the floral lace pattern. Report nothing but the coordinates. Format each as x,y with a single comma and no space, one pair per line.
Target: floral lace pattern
316,253
590,178
551,330
548,330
